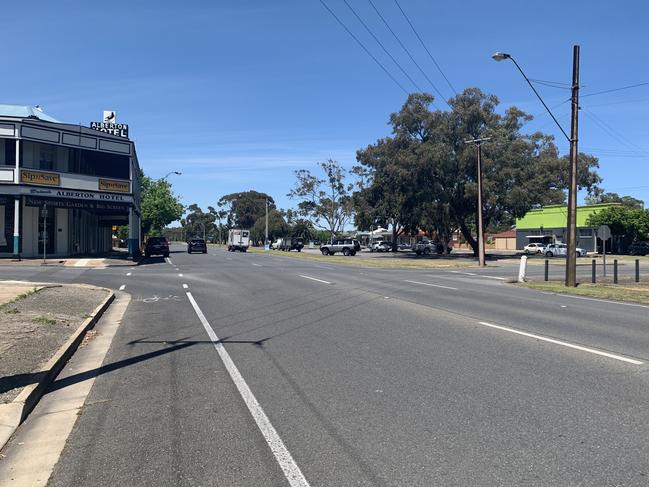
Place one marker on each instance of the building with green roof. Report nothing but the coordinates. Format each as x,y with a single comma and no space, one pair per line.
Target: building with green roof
548,225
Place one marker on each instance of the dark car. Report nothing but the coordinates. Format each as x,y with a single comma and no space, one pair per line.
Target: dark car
197,245
156,246
639,248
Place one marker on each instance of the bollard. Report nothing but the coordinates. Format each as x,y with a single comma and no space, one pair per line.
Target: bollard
615,271
637,270
593,266
547,269
522,270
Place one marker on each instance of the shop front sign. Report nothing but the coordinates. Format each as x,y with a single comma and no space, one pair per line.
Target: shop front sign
39,177
113,185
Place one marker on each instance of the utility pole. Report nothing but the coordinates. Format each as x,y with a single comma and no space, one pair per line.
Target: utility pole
266,234
478,144
571,230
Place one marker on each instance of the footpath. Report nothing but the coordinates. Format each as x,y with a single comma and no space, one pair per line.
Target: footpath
41,326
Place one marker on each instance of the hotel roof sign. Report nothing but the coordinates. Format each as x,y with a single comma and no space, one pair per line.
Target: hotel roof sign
119,129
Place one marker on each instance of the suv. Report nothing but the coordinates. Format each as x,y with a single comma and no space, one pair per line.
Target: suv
156,246
427,247
197,245
347,246
639,248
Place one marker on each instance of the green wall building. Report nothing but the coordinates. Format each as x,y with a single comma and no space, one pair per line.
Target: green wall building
548,225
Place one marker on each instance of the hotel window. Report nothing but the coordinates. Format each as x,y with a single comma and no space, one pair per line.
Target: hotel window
7,152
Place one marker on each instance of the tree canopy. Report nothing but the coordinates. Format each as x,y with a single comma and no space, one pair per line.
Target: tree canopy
159,206
424,175
245,208
626,223
325,201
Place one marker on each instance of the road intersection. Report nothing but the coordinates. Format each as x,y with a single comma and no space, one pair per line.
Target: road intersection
255,369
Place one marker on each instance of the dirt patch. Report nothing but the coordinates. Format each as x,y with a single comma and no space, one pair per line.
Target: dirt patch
34,327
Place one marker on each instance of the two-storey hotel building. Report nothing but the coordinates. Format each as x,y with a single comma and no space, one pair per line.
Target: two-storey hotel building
63,187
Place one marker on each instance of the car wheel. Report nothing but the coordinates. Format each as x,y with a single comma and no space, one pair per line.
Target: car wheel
299,250
353,252
345,252
189,251
325,251
426,251
549,254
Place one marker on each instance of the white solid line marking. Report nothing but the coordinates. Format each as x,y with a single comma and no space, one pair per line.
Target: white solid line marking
600,300
185,286
496,277
256,265
563,344
122,287
128,273
314,279
180,275
291,470
432,285
169,261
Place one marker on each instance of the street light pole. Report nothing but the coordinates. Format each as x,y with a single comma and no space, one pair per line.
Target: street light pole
571,225
481,252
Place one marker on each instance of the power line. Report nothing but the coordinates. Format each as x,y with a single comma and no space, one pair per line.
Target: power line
382,46
551,84
364,48
615,135
615,89
407,51
424,46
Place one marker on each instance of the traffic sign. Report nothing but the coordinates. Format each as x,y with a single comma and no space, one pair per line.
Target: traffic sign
604,232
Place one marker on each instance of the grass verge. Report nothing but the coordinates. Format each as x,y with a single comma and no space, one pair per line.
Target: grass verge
383,262
24,295
636,293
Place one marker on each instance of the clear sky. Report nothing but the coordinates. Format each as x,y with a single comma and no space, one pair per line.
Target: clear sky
239,94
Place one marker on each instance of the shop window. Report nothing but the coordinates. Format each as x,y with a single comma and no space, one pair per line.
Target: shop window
7,152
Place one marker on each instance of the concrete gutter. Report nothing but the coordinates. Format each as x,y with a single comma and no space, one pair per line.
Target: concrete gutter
15,412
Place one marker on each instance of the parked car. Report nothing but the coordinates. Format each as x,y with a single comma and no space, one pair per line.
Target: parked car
639,248
534,248
427,247
156,246
291,243
381,246
197,245
276,244
404,246
561,250
347,246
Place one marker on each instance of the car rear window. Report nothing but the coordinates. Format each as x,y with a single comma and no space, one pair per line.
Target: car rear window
157,240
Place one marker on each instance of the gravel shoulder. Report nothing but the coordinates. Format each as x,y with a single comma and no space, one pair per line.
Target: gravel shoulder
35,326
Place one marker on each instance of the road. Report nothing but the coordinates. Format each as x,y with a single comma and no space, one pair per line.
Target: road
249,369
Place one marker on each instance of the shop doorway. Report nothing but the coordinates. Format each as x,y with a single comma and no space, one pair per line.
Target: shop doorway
46,233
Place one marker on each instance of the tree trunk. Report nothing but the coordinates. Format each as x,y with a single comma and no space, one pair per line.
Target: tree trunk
469,238
395,234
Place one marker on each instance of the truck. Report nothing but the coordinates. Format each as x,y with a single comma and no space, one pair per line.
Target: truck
291,243
238,239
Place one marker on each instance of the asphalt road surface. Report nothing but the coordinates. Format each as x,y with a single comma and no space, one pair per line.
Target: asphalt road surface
234,369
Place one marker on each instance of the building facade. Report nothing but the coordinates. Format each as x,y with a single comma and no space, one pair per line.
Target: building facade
548,225
63,187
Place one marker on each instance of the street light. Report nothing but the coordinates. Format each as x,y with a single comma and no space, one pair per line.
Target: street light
177,173
571,260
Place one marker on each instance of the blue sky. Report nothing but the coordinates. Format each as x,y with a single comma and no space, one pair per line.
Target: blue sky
237,95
